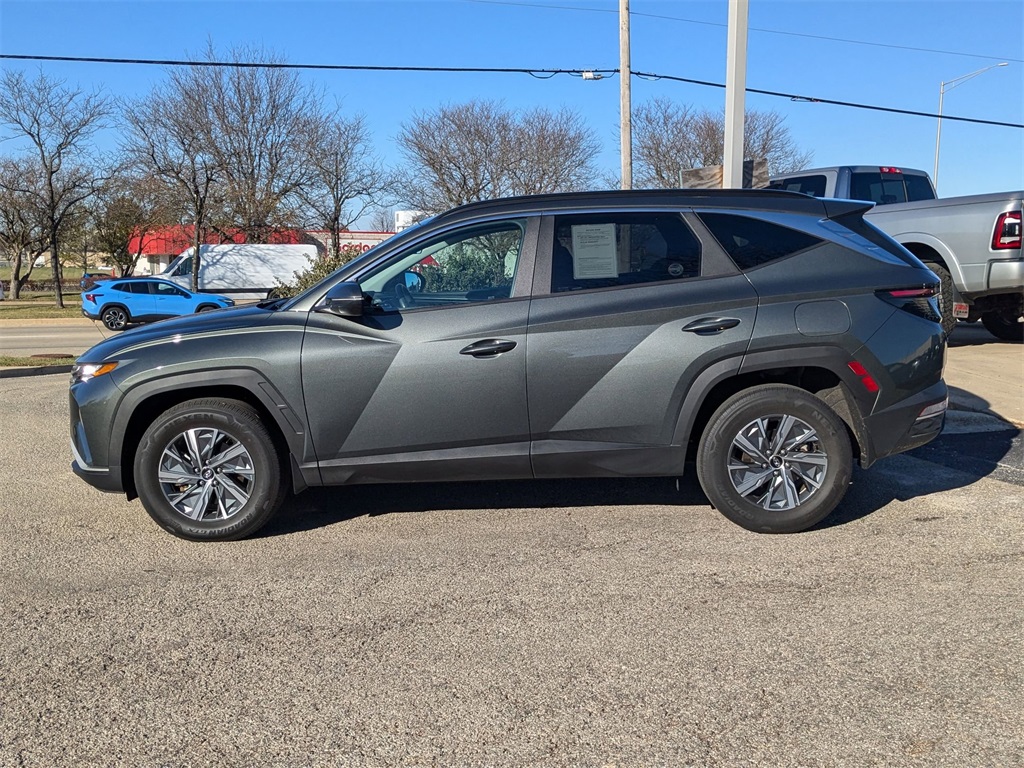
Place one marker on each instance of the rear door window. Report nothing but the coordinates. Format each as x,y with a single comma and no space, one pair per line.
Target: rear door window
752,242
609,250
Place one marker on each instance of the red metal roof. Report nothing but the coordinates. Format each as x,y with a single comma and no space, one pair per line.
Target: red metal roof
170,241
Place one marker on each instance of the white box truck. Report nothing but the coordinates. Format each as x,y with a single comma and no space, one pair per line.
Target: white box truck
242,271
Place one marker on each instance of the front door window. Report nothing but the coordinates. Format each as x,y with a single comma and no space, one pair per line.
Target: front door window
467,265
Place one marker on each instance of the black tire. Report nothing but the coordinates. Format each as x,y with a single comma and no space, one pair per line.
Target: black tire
1004,325
214,499
115,318
817,434
945,296
206,308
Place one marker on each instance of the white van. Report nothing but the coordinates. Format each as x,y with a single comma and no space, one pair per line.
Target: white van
242,271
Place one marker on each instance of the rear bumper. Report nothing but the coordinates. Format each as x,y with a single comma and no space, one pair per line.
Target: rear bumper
901,427
1005,275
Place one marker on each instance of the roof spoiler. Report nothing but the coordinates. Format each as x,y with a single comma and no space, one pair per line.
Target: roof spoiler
836,208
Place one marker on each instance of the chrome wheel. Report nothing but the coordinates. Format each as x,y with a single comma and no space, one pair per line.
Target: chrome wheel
777,462
206,474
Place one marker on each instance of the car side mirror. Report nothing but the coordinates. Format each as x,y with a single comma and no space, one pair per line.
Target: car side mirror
343,300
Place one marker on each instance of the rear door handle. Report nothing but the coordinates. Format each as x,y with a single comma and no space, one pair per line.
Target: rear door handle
710,325
488,348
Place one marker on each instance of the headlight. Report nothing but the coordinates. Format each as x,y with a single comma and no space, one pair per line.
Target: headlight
84,371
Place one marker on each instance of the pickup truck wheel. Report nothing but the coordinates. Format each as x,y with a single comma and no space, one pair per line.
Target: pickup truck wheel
208,470
945,296
1005,325
775,459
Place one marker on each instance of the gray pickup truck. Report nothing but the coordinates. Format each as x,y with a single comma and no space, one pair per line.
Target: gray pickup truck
972,243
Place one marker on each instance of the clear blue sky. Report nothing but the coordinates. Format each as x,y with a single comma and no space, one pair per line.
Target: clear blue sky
686,39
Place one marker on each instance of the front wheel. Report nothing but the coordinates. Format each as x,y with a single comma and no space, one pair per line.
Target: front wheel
208,470
1005,325
775,459
115,318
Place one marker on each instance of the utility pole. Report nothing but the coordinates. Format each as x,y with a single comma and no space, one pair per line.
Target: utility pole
735,93
625,108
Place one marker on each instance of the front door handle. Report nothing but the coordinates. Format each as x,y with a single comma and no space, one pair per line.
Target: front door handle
710,325
488,348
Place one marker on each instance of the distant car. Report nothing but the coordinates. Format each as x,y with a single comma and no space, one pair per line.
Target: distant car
89,279
122,301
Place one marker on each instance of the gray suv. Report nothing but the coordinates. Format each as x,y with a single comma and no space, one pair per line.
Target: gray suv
771,337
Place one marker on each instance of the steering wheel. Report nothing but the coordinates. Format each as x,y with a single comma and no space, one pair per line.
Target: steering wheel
403,295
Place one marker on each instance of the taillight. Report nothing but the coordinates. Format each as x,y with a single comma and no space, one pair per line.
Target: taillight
918,301
889,169
90,297
1007,234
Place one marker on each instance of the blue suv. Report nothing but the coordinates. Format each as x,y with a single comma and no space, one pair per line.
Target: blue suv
138,300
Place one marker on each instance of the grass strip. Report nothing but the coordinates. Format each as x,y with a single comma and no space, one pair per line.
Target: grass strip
10,361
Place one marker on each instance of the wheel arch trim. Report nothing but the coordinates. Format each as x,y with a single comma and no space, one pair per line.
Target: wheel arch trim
164,392
841,399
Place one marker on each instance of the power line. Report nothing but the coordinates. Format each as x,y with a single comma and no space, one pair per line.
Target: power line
287,65
539,73
815,100
662,17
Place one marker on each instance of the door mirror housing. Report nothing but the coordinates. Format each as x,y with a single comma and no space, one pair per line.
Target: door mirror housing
343,300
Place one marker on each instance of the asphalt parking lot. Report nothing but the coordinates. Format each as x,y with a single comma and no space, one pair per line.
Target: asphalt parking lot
558,623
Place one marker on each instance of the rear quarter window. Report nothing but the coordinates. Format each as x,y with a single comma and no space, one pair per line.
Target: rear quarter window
752,242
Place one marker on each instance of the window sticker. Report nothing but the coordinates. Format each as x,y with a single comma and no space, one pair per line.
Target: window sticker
593,251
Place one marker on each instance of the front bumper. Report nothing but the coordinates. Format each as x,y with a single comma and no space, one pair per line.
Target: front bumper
88,404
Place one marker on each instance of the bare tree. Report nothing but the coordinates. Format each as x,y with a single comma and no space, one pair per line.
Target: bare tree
128,209
255,121
344,177
163,138
670,138
23,227
461,153
383,220
57,123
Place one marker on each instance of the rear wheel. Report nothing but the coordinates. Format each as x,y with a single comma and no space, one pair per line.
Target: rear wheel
208,470
945,296
775,459
1004,324
115,318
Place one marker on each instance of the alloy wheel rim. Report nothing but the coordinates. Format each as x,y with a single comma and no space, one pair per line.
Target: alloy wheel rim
206,474
777,462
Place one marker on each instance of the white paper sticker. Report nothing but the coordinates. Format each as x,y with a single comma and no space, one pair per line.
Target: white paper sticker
593,251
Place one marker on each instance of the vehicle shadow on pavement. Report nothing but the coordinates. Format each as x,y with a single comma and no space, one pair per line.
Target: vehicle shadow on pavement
321,507
956,459
971,335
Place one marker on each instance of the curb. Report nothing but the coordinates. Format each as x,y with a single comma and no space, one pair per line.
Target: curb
17,373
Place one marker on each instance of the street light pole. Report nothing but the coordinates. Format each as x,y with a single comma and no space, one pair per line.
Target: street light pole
942,92
735,93
625,105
